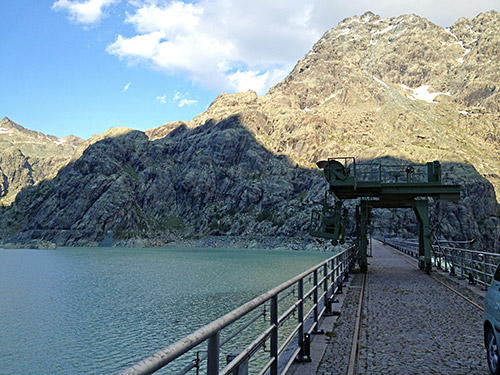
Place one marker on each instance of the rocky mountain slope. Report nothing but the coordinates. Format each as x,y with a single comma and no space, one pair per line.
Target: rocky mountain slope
373,87
401,89
28,157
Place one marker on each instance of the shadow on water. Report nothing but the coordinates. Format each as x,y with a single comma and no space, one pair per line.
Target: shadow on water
212,180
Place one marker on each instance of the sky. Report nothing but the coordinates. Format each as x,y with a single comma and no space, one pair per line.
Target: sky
83,66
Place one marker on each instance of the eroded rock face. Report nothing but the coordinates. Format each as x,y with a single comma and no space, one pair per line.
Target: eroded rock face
372,88
211,180
27,157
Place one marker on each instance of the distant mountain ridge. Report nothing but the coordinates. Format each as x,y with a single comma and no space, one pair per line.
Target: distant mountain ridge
401,90
27,157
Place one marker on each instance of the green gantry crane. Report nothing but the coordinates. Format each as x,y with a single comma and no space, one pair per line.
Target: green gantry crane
379,186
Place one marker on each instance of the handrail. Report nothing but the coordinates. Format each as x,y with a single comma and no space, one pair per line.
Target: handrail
477,266
339,266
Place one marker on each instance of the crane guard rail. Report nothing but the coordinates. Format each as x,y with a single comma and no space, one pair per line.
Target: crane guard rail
333,271
476,266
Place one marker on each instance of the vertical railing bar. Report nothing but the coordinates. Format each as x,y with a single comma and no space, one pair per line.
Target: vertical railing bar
300,312
484,269
315,300
213,354
274,336
462,265
325,284
472,266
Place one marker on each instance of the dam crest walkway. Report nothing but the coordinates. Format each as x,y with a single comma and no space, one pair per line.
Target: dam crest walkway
410,323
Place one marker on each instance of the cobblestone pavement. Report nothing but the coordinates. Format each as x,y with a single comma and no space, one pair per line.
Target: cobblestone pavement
413,325
338,350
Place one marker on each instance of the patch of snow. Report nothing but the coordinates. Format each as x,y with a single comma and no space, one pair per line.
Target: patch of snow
379,108
460,60
307,109
436,64
60,141
448,30
366,19
311,53
422,93
5,131
399,20
381,82
373,43
466,50
327,99
463,112
388,28
344,32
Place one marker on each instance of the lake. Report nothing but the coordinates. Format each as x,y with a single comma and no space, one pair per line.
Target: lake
98,310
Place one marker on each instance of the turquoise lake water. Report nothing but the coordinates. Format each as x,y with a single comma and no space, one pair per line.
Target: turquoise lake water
98,310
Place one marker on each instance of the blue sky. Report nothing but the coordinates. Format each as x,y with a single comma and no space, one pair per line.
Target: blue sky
82,66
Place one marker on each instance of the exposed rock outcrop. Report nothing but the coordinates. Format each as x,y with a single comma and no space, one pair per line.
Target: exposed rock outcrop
27,157
402,89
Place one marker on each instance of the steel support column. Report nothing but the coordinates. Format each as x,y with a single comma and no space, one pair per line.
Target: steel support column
421,208
364,218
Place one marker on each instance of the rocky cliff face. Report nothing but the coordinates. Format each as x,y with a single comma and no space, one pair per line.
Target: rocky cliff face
27,157
211,180
372,88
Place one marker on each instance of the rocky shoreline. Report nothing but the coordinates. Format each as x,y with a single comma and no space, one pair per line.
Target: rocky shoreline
34,244
229,242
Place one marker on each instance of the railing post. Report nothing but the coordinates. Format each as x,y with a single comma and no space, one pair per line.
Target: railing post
345,267
452,256
338,275
303,355
242,368
485,287
274,335
462,265
472,270
315,302
445,261
326,302
213,354
300,311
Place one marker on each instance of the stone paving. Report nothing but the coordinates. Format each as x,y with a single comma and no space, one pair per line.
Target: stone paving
337,353
413,325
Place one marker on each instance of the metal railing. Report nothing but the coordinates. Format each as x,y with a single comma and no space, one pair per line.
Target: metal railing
307,297
476,266
385,173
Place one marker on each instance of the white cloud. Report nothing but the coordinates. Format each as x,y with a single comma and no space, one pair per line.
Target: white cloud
126,87
222,44
239,45
182,100
162,99
85,12
188,102
248,80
